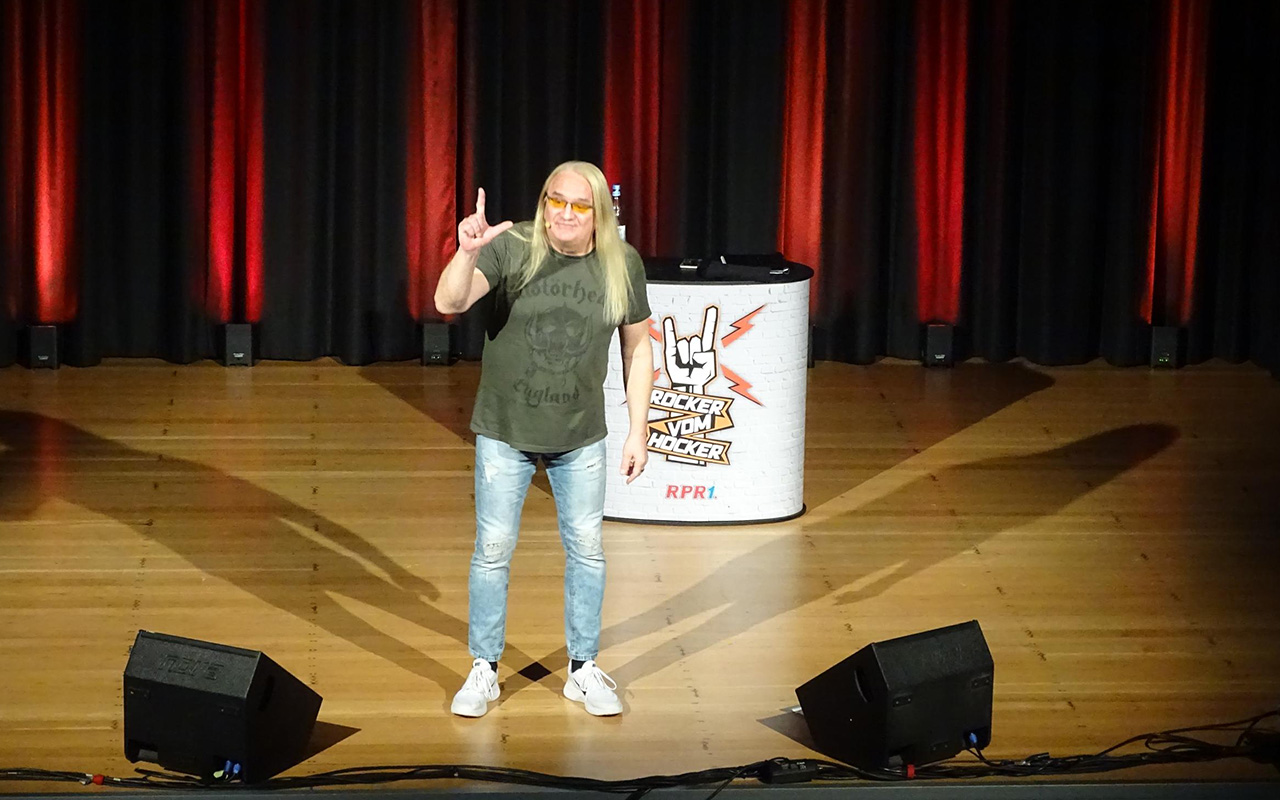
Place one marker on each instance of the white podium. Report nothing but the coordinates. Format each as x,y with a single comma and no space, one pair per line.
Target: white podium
726,423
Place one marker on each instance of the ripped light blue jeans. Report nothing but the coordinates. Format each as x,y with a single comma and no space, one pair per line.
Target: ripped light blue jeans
502,480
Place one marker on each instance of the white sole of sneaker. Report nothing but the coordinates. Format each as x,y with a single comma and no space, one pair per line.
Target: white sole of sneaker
602,712
572,692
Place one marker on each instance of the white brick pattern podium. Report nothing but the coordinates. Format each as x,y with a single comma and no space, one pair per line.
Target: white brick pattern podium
760,366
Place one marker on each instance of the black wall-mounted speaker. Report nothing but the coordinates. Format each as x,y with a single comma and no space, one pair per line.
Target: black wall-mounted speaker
237,345
42,347
1166,347
938,344
435,343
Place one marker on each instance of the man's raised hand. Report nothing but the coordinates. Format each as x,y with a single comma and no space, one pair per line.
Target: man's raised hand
475,231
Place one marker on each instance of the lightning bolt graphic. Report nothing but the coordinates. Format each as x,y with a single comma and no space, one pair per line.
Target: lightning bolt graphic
739,385
657,337
740,327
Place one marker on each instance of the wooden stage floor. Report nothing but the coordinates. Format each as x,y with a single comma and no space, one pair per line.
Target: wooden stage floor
1114,531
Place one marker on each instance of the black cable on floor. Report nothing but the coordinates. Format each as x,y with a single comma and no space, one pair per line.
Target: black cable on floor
1261,744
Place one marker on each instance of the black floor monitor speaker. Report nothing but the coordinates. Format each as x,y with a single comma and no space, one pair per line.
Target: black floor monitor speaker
42,347
1166,347
194,707
938,345
911,700
435,343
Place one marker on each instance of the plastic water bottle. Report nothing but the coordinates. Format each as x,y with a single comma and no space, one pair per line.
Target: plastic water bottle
617,211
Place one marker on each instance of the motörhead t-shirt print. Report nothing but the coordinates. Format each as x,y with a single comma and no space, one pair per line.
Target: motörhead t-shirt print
545,359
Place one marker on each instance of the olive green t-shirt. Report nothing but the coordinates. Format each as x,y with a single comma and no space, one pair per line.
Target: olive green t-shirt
547,350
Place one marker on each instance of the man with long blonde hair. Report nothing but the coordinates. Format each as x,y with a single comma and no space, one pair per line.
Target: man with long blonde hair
562,284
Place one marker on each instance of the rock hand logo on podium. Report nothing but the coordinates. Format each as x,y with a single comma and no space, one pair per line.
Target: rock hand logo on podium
695,419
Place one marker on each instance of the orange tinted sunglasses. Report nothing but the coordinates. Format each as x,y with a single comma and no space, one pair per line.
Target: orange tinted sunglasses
557,204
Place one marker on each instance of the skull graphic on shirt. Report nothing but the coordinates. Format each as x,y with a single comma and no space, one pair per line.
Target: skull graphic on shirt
558,337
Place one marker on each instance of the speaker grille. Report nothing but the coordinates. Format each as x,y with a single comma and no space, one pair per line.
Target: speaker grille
191,706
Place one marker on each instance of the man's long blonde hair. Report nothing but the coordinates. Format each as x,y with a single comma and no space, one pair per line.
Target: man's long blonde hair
610,253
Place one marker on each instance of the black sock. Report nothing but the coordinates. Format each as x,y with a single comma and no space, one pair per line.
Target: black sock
575,664
493,665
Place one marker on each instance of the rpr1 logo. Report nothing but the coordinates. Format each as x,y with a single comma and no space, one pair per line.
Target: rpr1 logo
678,492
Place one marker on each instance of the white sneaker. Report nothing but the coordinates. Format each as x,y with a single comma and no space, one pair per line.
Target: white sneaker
592,687
480,689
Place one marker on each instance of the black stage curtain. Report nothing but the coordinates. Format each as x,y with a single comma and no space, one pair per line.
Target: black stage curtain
137,233
1239,293
531,98
1057,162
334,166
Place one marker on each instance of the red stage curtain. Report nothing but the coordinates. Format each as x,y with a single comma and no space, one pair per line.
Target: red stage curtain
941,82
431,213
1175,193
